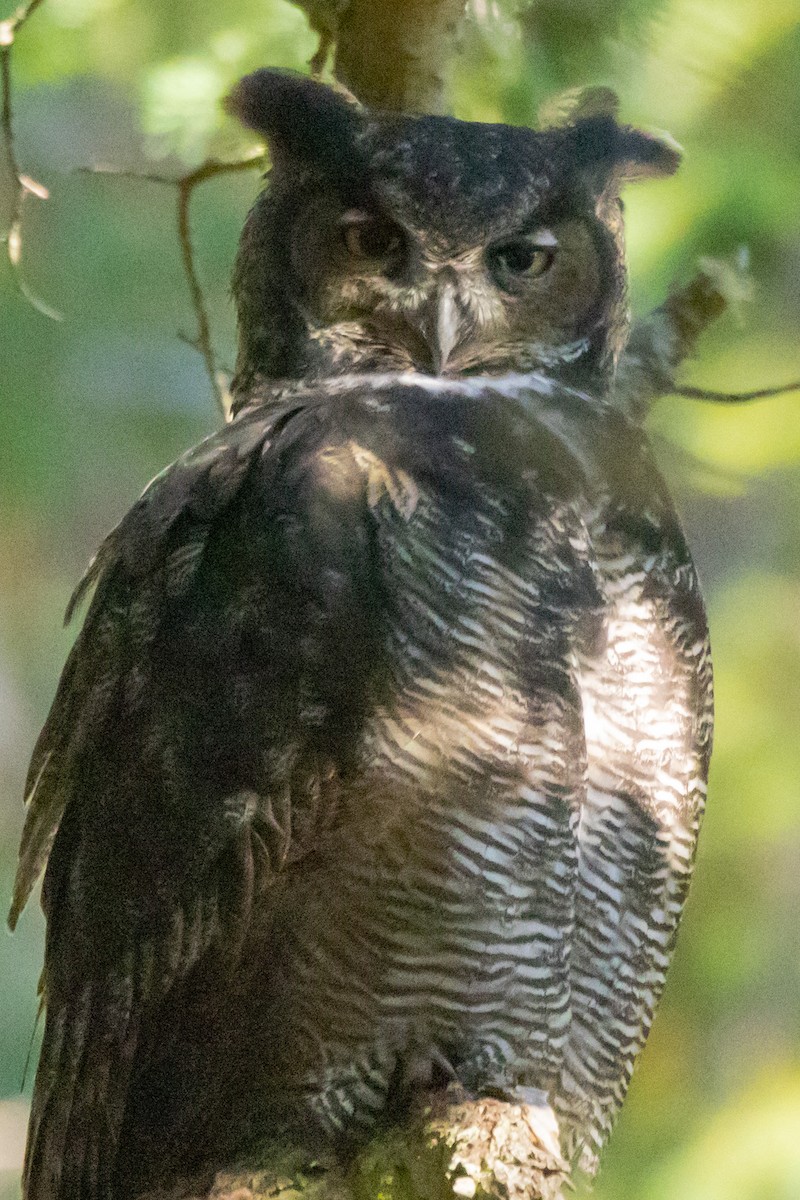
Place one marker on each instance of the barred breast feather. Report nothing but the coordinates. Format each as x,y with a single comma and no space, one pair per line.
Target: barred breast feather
378,762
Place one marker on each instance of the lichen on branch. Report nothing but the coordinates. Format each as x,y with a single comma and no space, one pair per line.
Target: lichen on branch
454,1147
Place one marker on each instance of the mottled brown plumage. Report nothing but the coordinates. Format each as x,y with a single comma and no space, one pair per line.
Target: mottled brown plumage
379,759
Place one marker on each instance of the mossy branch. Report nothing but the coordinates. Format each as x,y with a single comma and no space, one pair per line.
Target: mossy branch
454,1147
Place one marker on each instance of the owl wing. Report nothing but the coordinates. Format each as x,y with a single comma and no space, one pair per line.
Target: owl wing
646,692
190,753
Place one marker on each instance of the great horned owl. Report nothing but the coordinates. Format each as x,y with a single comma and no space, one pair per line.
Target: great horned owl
380,757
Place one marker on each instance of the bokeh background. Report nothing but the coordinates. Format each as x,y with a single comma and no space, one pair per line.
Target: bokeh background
96,403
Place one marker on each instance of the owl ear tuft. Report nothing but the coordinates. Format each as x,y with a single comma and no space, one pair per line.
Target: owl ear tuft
620,153
299,118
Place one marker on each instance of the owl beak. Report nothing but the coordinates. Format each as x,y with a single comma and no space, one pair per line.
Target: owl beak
439,323
445,327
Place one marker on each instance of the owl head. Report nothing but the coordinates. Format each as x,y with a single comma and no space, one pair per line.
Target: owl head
422,243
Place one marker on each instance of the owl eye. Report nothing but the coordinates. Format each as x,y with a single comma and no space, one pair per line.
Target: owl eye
370,238
521,256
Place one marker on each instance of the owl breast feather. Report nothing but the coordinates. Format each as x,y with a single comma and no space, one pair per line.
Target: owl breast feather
518,826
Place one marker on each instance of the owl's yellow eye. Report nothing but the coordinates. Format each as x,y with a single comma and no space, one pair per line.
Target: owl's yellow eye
519,257
370,238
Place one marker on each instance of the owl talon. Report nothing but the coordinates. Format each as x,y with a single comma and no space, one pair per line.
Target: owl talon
382,480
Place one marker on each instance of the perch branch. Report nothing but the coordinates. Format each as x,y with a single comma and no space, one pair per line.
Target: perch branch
185,186
454,1146
23,186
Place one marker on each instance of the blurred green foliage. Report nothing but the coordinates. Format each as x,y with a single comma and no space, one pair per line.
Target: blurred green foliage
93,405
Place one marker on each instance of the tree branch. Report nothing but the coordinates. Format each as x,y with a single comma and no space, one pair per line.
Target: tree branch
662,341
455,1146
23,185
391,54
396,54
185,186
694,393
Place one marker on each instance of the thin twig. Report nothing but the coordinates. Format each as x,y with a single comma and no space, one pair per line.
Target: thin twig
185,185
694,393
24,186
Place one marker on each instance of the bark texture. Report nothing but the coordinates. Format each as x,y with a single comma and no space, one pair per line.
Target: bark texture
391,54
